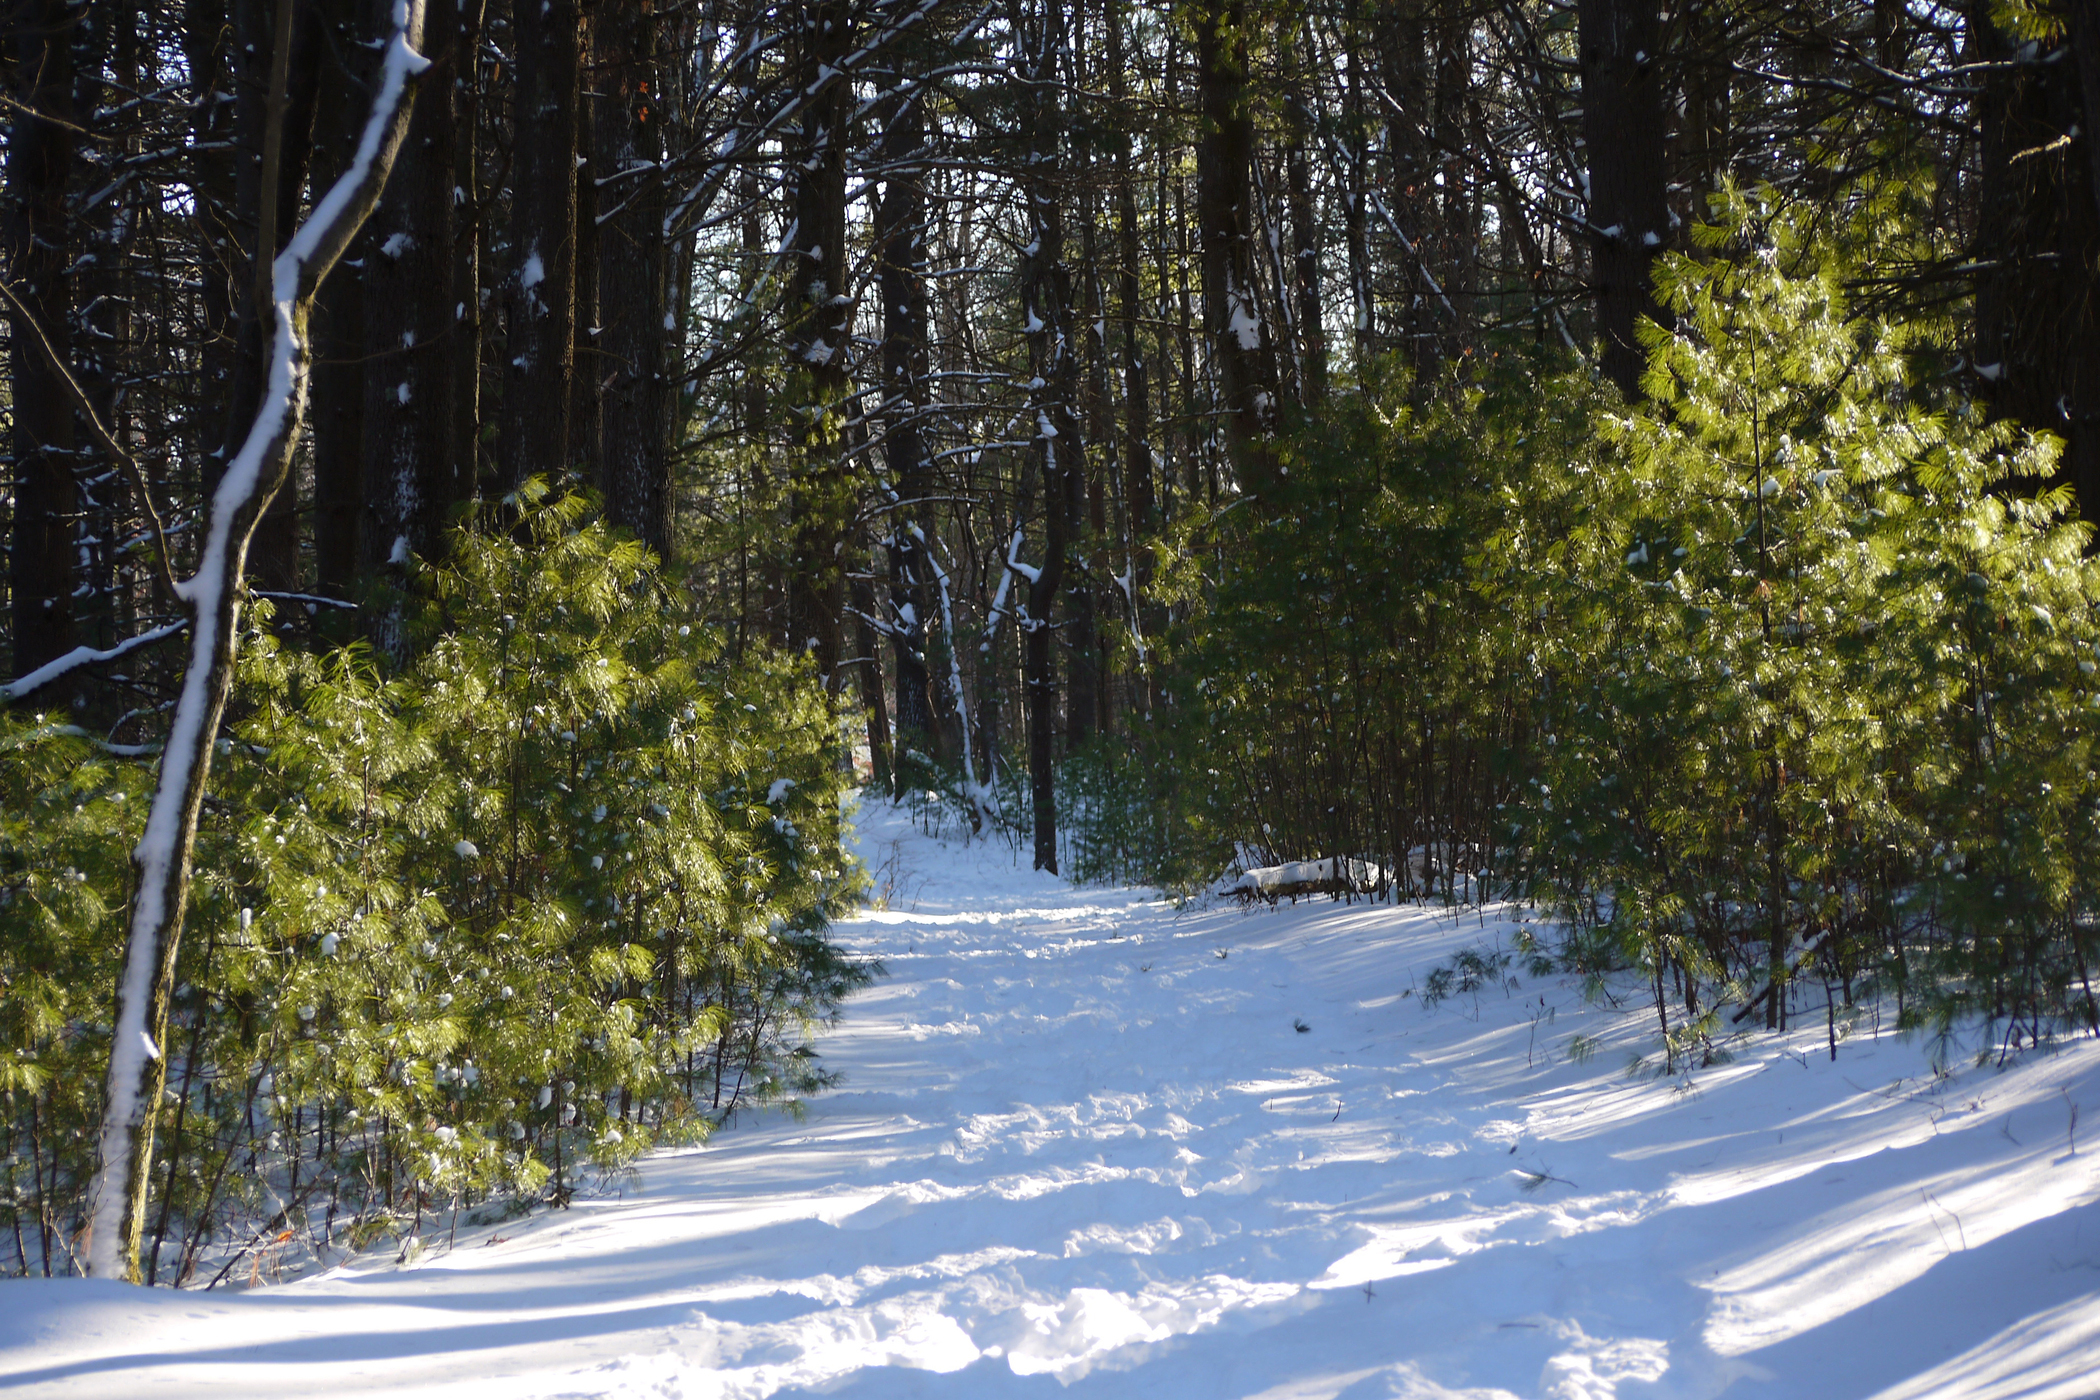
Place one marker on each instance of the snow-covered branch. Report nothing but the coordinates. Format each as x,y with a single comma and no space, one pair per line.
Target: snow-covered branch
83,656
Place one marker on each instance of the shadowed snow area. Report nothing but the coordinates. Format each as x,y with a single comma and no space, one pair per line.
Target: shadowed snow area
1082,1148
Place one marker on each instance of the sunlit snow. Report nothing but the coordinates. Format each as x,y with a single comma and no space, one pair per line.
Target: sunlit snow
1083,1148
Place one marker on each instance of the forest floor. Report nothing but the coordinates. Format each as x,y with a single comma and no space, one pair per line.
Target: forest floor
1090,1144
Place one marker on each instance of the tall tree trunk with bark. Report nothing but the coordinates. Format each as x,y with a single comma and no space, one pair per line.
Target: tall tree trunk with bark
1241,344
1410,194
409,320
1622,128
263,229
469,235
37,241
2038,242
819,308
2082,27
338,412
1086,692
1046,319
1305,228
633,272
1086,501
1139,488
900,244
1356,212
540,263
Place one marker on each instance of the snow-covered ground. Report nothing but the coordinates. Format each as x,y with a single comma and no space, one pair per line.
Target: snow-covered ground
1090,1145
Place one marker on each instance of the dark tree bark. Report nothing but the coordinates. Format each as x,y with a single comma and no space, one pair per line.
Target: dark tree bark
1138,484
1241,342
868,673
1046,317
1703,108
900,241
1410,193
212,183
111,327
753,412
276,550
470,233
1305,235
819,308
1454,245
1622,128
39,245
587,395
2038,239
2082,21
1086,496
633,273
1356,214
1086,504
338,418
338,337
409,320
540,264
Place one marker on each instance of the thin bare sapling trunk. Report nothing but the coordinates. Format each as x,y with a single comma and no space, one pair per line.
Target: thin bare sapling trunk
213,595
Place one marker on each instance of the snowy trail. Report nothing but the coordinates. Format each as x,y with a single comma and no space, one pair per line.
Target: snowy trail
1081,1148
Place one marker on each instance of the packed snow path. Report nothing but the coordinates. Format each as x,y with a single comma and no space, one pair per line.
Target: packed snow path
1088,1145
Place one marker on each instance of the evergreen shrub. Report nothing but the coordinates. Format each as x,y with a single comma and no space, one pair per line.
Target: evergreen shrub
552,894
1820,668
1778,687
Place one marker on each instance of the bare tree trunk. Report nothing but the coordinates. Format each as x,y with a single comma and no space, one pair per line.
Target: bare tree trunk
900,241
587,393
818,312
2083,22
276,550
409,315
1046,317
338,418
540,279
37,241
1356,213
1402,50
338,334
873,703
1139,486
633,273
1242,349
469,464
137,1068
1305,234
1454,248
1086,501
2038,240
1622,128
753,403
1086,699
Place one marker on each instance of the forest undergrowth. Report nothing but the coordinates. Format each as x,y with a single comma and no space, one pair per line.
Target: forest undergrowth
1777,689
466,934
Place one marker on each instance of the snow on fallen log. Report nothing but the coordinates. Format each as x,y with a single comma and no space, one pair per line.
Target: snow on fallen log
1337,875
